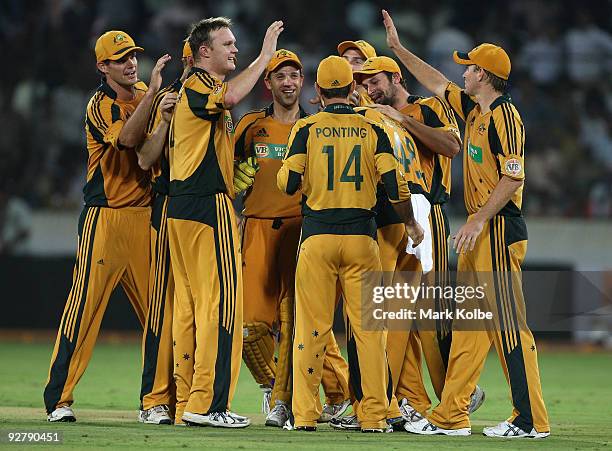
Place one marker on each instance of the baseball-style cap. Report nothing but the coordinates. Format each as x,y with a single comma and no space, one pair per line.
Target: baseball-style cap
377,64
334,72
488,56
113,45
186,50
361,45
282,56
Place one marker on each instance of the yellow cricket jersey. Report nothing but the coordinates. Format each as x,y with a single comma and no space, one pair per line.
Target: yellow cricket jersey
337,156
405,150
201,139
494,147
114,178
435,113
259,134
160,172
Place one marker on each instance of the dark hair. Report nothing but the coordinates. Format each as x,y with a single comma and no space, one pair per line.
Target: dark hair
200,32
402,79
336,92
498,83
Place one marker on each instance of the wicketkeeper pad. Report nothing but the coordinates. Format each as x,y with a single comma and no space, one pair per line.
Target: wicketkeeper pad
258,352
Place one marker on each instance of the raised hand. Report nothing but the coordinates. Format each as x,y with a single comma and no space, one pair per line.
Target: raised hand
156,78
271,38
167,106
392,37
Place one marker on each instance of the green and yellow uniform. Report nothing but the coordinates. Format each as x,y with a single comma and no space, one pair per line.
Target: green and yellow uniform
158,366
337,157
493,148
204,248
270,239
113,241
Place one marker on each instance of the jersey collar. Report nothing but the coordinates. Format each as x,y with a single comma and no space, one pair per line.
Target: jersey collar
505,98
413,98
106,89
339,108
269,111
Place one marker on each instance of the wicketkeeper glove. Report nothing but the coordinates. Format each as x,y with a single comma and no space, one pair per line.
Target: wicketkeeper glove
244,174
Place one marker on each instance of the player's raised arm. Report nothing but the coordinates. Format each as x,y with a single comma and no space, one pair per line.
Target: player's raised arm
132,133
428,76
243,83
153,144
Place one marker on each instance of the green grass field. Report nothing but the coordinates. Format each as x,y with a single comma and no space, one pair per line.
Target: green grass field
577,389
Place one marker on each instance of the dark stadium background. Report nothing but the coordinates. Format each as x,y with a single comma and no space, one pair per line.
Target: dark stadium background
561,82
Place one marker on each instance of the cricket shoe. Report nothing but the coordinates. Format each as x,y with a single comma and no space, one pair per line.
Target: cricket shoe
333,411
408,412
396,424
348,423
278,416
155,415
290,425
62,414
267,396
476,399
216,419
424,427
508,430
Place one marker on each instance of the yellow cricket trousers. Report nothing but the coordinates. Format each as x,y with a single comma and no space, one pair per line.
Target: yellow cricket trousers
269,257
207,320
433,339
113,247
157,385
495,264
323,260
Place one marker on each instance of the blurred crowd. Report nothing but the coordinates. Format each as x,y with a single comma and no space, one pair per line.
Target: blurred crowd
561,80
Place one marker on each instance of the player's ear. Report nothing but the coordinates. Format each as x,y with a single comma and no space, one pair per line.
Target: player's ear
353,85
267,83
102,66
396,78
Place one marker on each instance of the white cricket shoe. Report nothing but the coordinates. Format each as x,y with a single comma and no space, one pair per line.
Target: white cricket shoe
333,411
424,427
216,419
267,396
476,399
348,423
508,430
155,415
408,412
278,416
62,414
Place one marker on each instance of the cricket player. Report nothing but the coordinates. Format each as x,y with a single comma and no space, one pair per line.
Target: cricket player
204,242
492,243
436,137
271,231
113,229
337,157
158,393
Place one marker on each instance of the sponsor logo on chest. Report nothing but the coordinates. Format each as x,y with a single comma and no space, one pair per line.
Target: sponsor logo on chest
272,151
475,152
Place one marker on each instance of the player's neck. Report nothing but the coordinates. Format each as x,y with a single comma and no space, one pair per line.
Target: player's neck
400,100
286,115
210,70
125,93
485,98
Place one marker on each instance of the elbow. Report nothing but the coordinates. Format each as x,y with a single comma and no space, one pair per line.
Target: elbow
127,142
230,100
144,165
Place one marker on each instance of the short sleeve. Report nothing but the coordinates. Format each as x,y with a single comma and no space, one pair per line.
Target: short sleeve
507,141
459,101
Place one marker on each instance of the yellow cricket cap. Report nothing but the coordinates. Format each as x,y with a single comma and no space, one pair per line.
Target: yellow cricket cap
113,45
334,72
377,64
186,49
488,56
282,56
361,45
